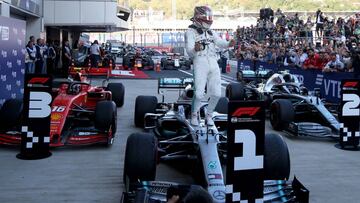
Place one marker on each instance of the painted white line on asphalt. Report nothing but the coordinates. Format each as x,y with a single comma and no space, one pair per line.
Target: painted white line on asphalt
185,72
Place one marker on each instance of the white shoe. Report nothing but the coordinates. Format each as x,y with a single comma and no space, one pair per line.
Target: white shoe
194,119
209,120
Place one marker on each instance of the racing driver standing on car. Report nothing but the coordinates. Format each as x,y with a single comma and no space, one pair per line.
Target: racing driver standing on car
201,45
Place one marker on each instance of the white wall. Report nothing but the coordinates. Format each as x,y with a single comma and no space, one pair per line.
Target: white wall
81,12
4,10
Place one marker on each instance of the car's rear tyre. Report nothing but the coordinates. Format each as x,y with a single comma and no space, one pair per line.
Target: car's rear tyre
140,158
222,105
235,91
10,114
276,158
118,91
281,113
143,105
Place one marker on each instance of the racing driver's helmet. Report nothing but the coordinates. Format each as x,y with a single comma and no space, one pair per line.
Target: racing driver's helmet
203,17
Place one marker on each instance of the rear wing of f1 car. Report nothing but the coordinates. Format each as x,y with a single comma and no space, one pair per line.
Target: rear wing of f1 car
174,83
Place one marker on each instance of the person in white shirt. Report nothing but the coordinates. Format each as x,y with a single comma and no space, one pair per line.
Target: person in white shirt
303,56
201,42
334,65
95,54
30,56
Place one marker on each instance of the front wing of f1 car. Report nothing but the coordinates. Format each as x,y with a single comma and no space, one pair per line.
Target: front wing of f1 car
278,191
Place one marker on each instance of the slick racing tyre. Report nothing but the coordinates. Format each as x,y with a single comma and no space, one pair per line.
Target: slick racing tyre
222,105
281,113
140,158
10,114
235,91
276,158
143,105
118,91
105,116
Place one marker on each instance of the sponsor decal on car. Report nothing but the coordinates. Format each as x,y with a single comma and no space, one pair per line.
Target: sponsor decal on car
56,116
212,165
219,195
214,176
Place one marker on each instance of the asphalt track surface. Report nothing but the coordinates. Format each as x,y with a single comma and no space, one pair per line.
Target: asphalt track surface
94,173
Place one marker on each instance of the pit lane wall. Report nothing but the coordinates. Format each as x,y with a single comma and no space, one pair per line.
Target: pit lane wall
329,83
12,58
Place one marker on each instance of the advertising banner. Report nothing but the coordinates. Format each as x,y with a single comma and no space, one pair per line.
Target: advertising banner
12,58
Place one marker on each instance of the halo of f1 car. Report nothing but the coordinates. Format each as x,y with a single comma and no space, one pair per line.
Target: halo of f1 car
170,136
293,108
82,114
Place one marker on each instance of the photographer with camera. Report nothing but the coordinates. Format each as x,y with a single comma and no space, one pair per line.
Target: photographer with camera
201,44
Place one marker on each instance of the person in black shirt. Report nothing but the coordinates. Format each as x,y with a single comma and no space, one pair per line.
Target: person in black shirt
66,58
51,58
39,63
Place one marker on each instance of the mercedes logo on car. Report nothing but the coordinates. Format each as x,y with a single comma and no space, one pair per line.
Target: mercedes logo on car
219,195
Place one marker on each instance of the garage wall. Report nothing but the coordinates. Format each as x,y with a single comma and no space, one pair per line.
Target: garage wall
81,12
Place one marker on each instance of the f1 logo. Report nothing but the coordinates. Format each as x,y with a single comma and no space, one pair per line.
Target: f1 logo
39,104
251,111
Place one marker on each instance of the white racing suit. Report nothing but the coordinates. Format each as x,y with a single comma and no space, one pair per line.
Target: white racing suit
206,68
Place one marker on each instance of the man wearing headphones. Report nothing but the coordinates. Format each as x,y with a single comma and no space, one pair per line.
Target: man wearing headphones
201,44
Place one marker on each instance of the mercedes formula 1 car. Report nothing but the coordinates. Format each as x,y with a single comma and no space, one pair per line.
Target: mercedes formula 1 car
81,114
293,108
171,137
175,61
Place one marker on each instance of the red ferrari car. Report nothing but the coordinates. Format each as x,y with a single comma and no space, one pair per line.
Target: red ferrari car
81,114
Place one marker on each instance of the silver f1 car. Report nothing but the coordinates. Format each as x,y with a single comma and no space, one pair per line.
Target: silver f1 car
292,107
171,137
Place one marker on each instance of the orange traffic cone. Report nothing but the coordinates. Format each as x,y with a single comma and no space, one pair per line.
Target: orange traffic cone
157,68
228,68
